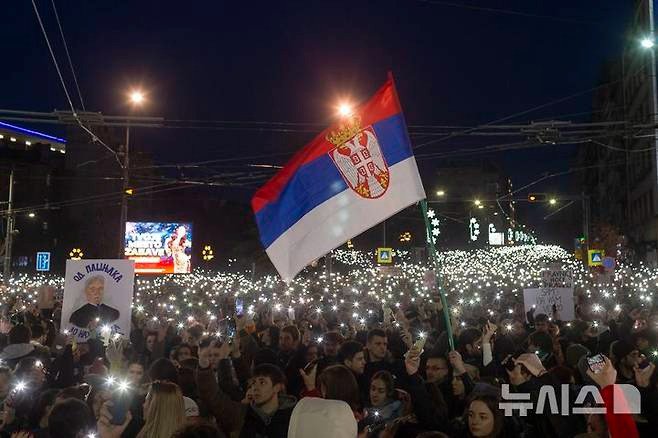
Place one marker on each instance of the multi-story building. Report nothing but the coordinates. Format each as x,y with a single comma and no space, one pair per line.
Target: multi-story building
622,176
33,159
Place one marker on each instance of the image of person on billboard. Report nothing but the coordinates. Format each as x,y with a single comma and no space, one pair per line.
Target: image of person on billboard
94,311
176,247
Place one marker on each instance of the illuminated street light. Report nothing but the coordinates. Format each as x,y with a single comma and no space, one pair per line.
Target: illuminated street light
137,97
552,201
477,202
440,193
647,43
345,109
31,215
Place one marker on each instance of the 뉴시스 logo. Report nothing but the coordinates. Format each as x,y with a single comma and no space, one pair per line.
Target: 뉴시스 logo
626,400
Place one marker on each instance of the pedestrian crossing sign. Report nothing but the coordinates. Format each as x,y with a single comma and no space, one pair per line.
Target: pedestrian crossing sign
595,257
385,255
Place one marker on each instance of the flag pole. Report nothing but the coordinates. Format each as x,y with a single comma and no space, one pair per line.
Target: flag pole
437,270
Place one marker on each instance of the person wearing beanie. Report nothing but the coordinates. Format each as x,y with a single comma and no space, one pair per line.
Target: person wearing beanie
574,353
625,357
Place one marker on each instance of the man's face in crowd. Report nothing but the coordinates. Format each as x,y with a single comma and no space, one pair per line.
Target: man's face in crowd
480,419
94,292
436,370
135,373
632,359
475,349
213,356
331,348
184,353
553,329
286,342
542,326
377,348
312,354
357,364
264,391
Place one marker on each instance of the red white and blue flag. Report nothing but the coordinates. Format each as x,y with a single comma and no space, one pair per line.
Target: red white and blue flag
351,177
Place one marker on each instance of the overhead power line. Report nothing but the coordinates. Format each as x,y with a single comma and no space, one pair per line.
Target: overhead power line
64,87
68,56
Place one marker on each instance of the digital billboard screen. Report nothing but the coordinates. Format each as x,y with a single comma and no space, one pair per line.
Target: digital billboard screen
159,247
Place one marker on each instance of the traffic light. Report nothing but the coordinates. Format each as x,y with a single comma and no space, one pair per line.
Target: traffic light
537,197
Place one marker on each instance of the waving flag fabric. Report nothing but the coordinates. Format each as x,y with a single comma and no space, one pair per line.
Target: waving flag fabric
351,177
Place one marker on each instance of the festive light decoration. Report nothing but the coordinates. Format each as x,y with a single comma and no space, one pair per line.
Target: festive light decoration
207,253
405,237
474,229
76,254
434,226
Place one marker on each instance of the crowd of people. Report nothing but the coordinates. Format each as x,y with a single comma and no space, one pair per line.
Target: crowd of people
324,364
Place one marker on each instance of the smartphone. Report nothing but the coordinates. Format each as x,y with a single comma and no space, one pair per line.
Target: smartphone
239,306
596,363
121,401
309,366
508,362
644,362
420,343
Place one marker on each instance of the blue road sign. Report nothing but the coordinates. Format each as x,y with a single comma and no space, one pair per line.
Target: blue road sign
43,261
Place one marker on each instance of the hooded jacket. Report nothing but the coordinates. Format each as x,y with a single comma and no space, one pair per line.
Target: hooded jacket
320,418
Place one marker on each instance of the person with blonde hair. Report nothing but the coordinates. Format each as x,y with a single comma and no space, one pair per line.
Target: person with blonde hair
164,410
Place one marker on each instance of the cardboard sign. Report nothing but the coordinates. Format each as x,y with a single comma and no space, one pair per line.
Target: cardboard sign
543,299
97,298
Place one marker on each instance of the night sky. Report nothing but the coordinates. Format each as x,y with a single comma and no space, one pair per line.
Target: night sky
290,61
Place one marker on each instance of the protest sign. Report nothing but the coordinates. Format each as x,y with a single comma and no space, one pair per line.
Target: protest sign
97,298
542,299
555,276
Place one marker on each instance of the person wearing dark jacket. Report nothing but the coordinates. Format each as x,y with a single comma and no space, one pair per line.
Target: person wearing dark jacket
20,347
379,358
266,417
529,376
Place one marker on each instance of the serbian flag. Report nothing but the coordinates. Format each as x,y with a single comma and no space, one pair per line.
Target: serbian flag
351,177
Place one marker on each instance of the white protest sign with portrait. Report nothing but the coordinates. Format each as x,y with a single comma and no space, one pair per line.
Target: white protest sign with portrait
542,299
97,298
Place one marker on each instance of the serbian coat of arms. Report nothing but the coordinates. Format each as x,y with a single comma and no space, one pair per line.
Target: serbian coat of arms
358,156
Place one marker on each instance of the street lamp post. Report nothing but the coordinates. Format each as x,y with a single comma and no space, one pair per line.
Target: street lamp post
10,231
136,99
124,194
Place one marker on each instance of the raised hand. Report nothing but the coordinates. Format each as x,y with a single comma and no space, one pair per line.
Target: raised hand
456,362
105,428
309,378
488,332
643,375
606,377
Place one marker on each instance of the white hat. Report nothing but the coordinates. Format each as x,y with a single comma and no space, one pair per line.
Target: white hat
191,408
320,418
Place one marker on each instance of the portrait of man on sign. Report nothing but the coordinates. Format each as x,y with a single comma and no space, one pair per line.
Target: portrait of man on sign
94,311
